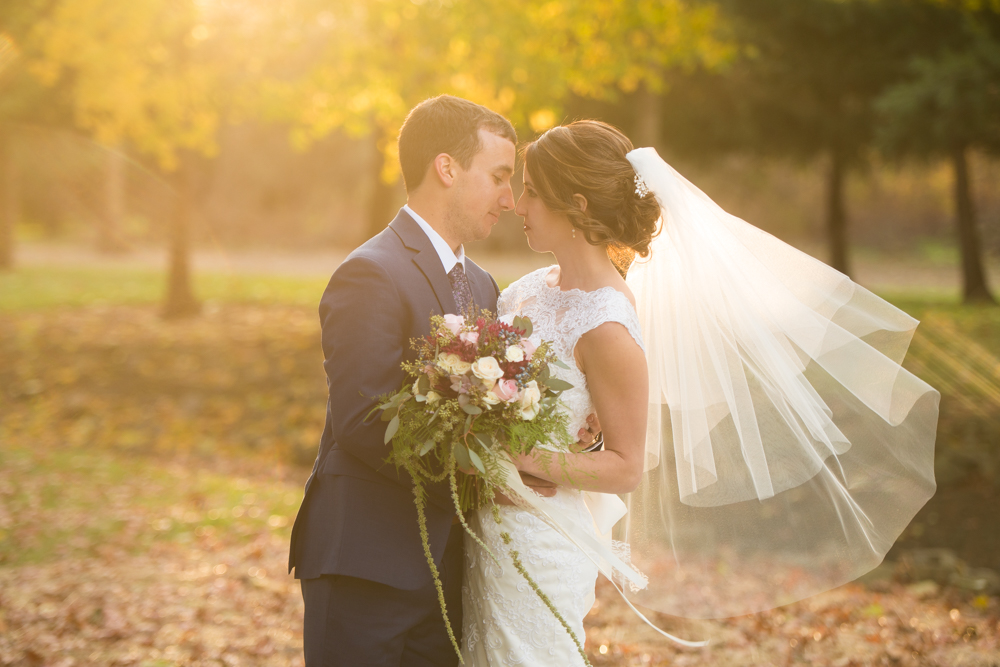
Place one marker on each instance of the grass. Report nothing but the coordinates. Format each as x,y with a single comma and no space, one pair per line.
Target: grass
35,288
76,502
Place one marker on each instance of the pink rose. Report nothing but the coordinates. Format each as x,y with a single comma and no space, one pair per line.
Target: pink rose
469,337
505,390
454,323
528,347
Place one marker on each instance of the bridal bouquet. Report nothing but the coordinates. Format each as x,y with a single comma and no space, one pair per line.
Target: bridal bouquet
478,390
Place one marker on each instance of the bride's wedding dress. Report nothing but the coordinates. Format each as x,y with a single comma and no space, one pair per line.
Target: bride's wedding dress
505,622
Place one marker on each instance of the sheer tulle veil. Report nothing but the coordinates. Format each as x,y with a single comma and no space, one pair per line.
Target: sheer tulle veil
787,447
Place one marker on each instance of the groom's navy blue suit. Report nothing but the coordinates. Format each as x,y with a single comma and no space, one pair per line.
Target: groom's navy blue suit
355,544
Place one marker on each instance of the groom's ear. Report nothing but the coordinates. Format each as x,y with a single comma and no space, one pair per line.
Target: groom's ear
444,168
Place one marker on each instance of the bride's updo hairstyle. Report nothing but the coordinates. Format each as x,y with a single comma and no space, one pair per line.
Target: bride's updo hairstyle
587,157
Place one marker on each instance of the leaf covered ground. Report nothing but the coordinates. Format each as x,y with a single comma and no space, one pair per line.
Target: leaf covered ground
149,472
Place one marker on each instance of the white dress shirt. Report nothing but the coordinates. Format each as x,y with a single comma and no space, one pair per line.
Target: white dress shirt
444,251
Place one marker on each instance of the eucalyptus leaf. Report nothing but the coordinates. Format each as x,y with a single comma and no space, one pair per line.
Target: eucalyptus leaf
426,447
556,384
482,439
471,409
476,461
526,325
389,414
462,456
560,364
391,429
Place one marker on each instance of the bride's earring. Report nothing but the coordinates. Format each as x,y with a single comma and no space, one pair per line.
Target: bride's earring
574,232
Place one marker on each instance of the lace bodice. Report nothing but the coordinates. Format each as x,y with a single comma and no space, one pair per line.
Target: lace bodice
562,317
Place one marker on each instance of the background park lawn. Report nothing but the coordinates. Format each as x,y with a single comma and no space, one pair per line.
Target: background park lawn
150,469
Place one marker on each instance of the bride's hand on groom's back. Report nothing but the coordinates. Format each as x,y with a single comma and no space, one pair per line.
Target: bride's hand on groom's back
587,436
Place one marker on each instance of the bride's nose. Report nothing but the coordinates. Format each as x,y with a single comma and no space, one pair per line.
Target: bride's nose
521,209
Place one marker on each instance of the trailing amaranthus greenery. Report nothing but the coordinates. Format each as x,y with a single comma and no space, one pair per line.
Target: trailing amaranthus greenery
519,566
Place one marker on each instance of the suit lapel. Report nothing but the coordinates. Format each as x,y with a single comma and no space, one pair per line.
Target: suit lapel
426,259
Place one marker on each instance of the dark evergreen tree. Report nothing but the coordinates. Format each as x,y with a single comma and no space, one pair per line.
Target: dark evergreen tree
948,105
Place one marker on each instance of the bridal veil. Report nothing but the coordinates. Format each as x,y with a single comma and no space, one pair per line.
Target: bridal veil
787,446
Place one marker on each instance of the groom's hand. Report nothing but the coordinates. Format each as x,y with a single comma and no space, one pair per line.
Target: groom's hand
542,487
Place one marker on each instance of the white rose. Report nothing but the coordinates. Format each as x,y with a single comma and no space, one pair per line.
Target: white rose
514,353
487,368
453,364
445,362
433,397
530,396
490,399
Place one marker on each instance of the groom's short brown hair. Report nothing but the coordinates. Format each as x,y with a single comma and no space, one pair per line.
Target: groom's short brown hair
445,124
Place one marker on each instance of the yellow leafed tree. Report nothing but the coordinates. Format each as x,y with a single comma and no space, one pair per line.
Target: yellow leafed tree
160,75
377,59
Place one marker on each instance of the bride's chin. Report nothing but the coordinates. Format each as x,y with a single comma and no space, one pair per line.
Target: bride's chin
534,246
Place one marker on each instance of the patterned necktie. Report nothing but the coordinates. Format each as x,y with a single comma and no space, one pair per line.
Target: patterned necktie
460,288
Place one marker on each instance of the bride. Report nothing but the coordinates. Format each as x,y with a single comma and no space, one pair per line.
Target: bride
752,402
583,306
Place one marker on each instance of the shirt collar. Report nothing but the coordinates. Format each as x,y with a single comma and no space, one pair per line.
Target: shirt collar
448,257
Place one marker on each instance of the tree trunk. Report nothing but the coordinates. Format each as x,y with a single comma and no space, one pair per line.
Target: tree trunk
649,111
9,203
381,205
974,286
180,300
836,213
109,232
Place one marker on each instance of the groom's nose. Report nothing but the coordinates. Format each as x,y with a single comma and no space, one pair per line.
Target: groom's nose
507,199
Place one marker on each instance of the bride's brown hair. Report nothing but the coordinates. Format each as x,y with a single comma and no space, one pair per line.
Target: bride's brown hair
587,157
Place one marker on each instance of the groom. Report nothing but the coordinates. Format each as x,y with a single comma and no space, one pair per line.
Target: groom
369,597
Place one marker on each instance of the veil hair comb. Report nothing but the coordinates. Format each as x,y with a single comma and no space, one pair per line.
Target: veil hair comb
787,447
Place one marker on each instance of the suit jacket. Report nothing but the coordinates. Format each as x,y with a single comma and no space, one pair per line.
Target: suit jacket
358,518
